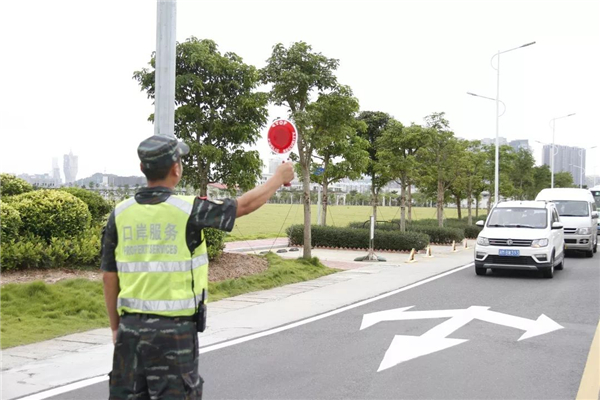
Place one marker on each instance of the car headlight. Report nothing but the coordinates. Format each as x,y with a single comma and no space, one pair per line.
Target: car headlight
483,241
539,243
583,231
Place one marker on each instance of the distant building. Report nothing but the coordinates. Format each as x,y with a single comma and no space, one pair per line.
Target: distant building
70,164
566,159
41,180
487,141
520,144
56,170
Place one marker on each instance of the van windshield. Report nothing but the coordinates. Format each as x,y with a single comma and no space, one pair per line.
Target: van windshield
518,217
571,208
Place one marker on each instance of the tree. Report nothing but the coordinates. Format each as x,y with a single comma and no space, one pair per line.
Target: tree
218,112
340,152
459,188
522,173
398,150
542,178
439,159
377,122
475,158
295,73
563,180
506,158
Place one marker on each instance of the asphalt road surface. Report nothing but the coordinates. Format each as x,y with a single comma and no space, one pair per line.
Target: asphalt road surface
333,358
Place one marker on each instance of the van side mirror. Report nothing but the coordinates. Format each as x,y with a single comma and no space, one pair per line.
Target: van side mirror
594,214
480,223
557,225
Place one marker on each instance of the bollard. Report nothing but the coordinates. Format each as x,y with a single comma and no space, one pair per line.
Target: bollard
466,243
411,257
428,252
454,246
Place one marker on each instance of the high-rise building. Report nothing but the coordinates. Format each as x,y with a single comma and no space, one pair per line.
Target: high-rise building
274,163
520,144
566,159
70,164
56,171
487,141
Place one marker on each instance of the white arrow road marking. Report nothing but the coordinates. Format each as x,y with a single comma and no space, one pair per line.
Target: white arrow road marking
404,348
532,328
399,314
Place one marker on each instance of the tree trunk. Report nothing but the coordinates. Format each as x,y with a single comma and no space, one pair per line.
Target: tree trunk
477,206
307,254
469,200
374,202
409,198
458,207
324,200
440,203
402,207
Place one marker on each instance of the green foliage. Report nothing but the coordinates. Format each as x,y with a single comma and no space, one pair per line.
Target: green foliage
328,236
455,230
96,204
563,180
30,252
218,114
440,235
52,213
215,242
10,222
10,185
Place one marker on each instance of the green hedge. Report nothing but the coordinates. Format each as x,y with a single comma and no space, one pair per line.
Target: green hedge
35,252
440,235
96,204
52,213
10,185
329,236
10,222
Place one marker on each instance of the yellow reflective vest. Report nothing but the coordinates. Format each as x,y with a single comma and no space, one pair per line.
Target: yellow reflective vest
155,266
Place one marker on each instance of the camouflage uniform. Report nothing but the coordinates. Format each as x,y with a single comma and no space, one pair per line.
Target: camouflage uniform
156,357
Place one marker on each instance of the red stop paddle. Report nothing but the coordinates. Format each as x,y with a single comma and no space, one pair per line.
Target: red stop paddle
282,137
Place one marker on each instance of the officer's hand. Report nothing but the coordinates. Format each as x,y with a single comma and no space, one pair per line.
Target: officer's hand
286,172
114,337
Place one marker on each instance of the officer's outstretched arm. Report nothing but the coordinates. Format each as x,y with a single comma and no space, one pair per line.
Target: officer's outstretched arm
254,199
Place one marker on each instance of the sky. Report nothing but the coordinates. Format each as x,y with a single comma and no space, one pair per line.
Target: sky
67,73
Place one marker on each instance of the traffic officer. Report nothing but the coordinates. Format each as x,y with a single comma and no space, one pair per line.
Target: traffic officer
155,267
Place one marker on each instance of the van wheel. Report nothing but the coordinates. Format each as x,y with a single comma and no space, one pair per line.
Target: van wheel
548,273
561,266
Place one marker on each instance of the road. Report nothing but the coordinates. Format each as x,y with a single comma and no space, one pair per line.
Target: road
333,358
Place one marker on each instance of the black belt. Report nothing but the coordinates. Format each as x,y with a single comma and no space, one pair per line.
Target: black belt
152,316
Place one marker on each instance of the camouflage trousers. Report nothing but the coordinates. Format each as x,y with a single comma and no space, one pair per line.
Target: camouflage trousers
155,359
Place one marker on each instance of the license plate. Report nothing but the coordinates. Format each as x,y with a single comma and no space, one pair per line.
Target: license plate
510,253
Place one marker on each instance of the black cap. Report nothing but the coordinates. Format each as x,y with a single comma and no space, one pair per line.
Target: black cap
161,151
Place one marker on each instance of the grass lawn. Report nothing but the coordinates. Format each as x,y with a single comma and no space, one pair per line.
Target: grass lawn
32,312
268,221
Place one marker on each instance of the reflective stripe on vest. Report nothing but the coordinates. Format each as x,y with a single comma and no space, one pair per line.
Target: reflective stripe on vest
157,306
163,266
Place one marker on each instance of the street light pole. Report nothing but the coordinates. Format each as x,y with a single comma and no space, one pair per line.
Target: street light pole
497,166
553,120
164,103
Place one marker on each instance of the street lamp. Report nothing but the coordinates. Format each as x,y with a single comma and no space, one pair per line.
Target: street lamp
553,121
496,172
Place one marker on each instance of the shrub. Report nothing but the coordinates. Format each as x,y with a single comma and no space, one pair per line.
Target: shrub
472,231
52,213
35,252
10,185
440,235
10,222
96,204
329,236
215,242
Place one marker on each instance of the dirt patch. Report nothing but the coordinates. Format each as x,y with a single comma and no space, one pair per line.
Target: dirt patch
234,265
227,266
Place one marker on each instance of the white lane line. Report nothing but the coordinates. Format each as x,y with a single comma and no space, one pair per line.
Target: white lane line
98,379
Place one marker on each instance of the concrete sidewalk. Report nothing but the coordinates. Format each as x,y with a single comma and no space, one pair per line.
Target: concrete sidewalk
37,367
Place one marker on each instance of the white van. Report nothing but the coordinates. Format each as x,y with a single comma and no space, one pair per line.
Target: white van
578,214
